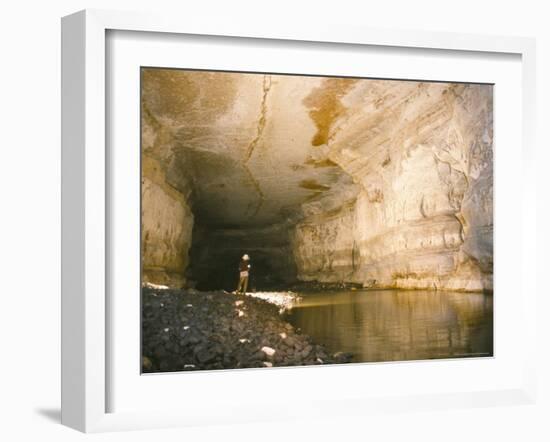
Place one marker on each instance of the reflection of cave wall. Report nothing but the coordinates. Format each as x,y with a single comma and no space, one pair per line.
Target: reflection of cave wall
430,324
382,183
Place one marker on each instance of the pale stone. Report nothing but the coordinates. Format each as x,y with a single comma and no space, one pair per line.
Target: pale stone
155,287
268,351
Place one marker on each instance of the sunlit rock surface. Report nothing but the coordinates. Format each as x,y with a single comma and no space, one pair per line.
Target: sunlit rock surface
382,183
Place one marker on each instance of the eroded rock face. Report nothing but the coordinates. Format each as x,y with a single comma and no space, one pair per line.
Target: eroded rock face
167,220
422,155
382,183
166,229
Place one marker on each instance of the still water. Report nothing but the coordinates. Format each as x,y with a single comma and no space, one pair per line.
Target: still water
397,325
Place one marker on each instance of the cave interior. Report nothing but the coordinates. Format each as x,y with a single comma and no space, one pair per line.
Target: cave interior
381,183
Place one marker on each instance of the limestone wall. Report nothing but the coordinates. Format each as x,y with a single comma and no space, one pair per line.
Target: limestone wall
423,215
167,219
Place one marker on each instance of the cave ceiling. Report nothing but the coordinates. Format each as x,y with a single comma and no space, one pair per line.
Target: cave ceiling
253,147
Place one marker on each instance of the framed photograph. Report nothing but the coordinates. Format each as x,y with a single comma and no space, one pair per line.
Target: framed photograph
264,223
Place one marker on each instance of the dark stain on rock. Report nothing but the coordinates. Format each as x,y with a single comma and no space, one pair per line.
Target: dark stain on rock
325,105
386,162
313,185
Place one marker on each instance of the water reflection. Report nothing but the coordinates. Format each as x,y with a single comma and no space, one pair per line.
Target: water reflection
390,325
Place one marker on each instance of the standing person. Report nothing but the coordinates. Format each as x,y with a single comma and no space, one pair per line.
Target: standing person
244,270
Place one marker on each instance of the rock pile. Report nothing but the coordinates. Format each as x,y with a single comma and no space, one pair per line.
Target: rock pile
189,330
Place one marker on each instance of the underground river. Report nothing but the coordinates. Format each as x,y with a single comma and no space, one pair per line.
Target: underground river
397,325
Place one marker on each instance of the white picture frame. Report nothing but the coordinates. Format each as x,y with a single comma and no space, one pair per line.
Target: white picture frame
85,210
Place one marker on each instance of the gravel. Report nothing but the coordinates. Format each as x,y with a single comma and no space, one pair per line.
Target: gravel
185,330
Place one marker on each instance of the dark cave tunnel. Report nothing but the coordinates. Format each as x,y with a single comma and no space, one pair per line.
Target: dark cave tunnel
216,252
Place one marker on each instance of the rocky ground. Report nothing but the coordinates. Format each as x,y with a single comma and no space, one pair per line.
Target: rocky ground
191,330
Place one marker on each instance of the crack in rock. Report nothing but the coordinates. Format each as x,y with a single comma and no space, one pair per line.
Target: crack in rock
252,146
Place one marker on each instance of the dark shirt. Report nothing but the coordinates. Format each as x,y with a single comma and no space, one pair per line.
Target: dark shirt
244,265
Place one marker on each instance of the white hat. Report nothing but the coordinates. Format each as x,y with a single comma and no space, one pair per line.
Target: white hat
245,256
